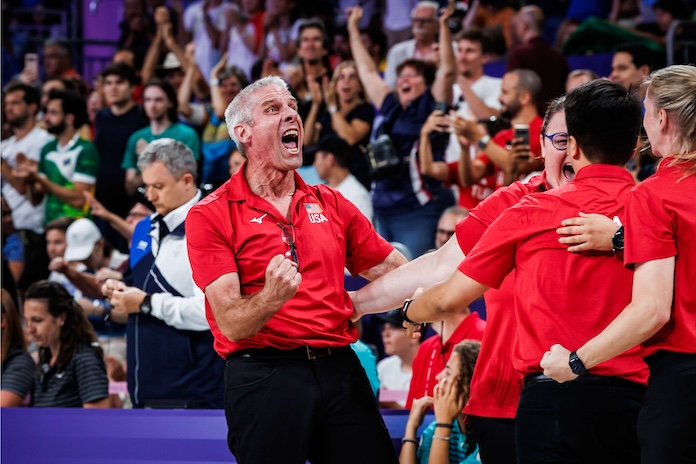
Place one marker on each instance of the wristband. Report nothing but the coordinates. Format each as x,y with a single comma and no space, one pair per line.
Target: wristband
440,437
443,425
214,82
332,109
146,305
410,440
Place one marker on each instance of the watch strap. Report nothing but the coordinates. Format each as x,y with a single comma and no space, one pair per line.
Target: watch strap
146,304
576,364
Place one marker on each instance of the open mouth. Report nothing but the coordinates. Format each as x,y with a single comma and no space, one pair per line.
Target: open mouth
568,171
290,141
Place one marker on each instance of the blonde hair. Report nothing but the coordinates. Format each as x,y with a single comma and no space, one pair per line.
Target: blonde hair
673,89
340,67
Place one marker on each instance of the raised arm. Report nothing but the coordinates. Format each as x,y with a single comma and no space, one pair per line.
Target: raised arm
444,80
239,316
375,88
436,122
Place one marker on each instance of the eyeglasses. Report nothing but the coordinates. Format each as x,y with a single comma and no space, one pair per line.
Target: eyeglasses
288,237
559,140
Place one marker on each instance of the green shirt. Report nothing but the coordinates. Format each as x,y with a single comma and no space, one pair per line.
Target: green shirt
78,161
176,131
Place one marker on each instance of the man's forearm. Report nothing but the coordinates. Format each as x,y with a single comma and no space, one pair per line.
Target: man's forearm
390,290
443,299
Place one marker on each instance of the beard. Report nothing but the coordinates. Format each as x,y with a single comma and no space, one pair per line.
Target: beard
18,121
57,128
511,110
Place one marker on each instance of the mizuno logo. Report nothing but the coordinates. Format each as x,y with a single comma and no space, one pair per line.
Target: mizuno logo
258,220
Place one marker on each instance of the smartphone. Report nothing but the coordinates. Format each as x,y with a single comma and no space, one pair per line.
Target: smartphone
521,131
31,62
441,106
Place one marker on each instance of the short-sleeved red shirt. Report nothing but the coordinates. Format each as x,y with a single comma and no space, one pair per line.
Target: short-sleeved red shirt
432,355
495,386
560,297
234,230
661,222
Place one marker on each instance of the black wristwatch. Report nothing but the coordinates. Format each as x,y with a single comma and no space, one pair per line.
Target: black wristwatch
617,241
404,308
576,365
146,305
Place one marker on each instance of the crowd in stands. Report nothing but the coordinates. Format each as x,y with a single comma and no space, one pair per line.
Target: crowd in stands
98,176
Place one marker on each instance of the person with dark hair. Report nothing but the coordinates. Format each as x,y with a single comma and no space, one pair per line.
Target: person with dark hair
407,204
161,105
20,106
114,126
17,366
660,219
532,52
68,165
631,65
71,371
566,302
448,438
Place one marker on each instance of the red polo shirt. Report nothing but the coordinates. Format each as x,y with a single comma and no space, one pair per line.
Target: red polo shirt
233,230
560,297
495,386
660,222
432,356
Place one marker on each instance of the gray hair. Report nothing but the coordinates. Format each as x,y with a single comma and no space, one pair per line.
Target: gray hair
528,81
239,109
427,4
176,157
455,210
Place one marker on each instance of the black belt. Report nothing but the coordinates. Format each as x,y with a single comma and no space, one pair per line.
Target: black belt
539,377
303,352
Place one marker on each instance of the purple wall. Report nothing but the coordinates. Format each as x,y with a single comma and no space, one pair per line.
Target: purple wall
102,24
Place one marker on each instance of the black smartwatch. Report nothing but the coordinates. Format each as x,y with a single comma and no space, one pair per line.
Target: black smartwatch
576,365
146,305
617,241
408,321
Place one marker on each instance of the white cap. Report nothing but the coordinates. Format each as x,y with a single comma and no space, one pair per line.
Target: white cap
171,61
80,239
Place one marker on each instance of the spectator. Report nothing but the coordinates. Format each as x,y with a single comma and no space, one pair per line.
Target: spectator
76,86
55,248
125,227
164,306
247,260
68,165
12,247
347,116
71,370
505,158
205,21
137,28
236,161
630,66
17,366
281,31
57,61
216,146
242,36
21,104
533,53
331,163
447,224
666,12
161,107
115,124
407,205
395,371
424,26
313,49
175,61
578,77
448,438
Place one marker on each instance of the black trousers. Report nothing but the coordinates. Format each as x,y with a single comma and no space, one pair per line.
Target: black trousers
495,438
289,410
667,422
589,420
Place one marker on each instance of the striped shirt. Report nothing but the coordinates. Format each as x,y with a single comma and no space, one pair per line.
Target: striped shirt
84,380
18,372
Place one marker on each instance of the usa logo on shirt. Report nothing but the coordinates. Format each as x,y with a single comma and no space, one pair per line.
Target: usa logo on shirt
315,213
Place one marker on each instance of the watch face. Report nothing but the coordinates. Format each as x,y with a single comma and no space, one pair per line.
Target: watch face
576,365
